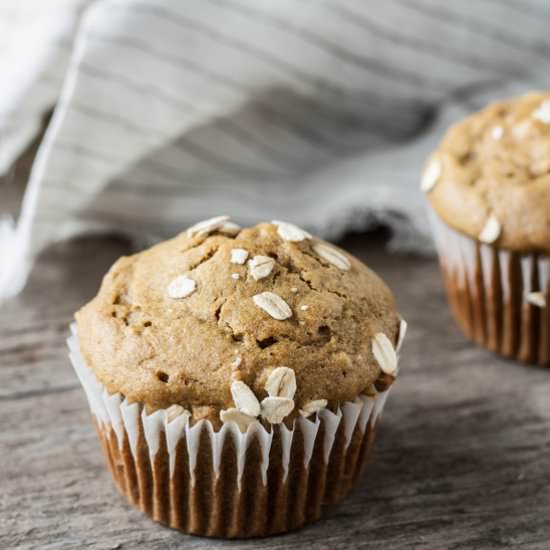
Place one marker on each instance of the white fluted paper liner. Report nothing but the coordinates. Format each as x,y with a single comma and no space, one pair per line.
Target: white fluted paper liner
123,417
488,289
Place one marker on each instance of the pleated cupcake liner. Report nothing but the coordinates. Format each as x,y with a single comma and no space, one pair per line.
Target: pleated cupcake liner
226,483
488,288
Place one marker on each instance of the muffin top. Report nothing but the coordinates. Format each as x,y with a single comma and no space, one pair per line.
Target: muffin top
490,176
263,322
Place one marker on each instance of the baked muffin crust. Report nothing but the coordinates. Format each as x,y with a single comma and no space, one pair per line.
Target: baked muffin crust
260,299
490,176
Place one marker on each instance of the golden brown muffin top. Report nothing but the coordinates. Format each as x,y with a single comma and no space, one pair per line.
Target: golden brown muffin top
199,320
490,176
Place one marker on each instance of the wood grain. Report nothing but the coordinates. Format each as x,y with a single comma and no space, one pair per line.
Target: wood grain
462,458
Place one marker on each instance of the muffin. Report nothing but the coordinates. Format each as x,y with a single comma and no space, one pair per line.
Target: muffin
488,185
236,376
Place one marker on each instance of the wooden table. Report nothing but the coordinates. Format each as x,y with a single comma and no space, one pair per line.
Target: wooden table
462,459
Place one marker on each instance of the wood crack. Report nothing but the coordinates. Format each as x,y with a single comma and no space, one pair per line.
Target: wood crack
39,392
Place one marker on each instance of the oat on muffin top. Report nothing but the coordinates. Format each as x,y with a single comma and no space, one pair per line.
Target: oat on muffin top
490,176
261,322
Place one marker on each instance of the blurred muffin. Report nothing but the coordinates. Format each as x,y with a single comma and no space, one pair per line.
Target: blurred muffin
488,184
236,375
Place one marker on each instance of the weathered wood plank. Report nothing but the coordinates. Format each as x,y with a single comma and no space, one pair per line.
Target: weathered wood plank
462,458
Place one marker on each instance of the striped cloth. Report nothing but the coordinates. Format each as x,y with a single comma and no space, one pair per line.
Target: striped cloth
314,111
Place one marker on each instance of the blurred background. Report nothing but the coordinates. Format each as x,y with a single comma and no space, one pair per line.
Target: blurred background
140,117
